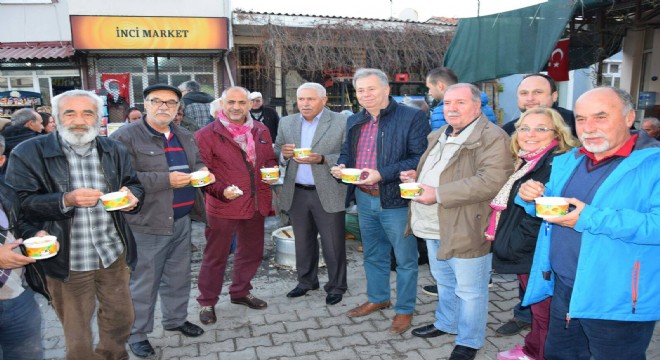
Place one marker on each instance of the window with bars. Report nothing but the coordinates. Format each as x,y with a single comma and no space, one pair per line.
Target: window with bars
250,69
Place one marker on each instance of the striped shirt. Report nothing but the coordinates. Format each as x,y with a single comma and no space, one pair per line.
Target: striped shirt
93,232
367,149
184,198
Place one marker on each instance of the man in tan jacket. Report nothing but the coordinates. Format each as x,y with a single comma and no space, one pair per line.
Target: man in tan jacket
463,168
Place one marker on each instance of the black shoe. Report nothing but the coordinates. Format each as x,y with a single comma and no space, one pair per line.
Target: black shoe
430,290
512,327
427,331
188,329
461,352
142,349
298,292
332,299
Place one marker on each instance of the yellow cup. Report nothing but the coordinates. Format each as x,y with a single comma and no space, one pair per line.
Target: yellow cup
270,173
302,153
549,206
350,176
115,200
410,190
41,247
200,178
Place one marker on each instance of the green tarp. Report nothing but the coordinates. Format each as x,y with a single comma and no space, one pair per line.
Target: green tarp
513,42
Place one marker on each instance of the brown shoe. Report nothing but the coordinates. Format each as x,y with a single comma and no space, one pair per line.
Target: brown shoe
207,315
250,301
367,308
400,324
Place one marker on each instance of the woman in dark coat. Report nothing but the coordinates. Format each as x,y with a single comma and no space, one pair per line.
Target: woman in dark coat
540,135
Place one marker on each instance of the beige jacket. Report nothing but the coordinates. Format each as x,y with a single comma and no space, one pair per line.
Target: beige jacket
469,182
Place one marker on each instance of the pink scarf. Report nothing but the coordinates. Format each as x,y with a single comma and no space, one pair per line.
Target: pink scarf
242,134
500,201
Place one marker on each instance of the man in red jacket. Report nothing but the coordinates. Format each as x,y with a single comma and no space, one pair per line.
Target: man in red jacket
235,148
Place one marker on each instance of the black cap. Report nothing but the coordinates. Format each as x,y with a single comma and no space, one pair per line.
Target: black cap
155,87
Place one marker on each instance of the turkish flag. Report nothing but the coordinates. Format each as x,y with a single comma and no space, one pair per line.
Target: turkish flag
116,85
558,62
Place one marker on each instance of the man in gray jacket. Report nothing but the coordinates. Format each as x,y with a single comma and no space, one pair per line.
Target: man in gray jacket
313,198
163,155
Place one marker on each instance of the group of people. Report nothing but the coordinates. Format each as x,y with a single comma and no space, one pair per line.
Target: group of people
475,212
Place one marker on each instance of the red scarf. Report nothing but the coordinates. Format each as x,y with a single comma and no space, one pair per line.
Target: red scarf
242,134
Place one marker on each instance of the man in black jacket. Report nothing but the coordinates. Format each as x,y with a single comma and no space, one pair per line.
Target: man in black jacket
265,114
59,179
20,329
539,90
25,124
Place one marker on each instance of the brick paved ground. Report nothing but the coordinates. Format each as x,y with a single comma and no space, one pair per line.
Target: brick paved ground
305,328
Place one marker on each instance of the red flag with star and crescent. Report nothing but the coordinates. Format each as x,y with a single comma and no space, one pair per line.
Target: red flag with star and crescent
558,62
116,85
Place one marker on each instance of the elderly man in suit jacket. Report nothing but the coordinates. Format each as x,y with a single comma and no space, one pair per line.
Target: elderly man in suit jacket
313,198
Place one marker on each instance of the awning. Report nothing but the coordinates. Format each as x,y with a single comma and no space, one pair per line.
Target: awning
34,50
512,42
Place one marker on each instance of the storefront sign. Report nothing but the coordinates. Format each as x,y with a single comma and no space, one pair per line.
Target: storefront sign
141,33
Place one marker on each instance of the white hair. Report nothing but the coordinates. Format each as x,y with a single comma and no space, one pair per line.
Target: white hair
215,107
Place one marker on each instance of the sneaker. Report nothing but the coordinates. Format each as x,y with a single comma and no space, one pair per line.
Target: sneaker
430,290
490,283
514,354
512,327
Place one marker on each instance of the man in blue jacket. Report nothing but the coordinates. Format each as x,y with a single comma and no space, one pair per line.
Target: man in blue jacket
600,261
382,140
438,80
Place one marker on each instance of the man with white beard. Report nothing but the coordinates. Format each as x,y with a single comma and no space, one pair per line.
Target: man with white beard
599,262
59,179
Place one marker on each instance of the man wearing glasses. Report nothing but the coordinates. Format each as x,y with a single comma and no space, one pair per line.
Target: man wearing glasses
163,155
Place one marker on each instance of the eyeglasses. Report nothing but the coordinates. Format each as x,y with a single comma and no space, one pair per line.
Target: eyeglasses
541,130
158,103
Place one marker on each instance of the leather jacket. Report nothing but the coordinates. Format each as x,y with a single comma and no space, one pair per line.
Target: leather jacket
34,274
39,173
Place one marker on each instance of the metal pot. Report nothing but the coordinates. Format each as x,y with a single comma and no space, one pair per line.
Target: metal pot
285,248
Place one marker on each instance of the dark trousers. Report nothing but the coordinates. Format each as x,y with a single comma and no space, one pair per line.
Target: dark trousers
308,220
247,258
535,339
74,302
584,338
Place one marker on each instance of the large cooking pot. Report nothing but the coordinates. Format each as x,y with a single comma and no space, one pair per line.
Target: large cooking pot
285,248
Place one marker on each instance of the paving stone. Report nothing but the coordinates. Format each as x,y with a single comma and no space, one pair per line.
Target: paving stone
289,337
347,341
245,354
315,334
216,346
274,352
253,341
309,347
267,329
303,324
179,351
343,354
366,326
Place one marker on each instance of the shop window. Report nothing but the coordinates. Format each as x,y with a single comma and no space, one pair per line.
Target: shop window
4,83
22,82
173,71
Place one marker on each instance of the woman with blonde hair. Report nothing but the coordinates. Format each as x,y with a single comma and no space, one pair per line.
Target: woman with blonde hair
540,135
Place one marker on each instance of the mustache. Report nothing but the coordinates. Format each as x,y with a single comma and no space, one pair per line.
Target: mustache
595,135
452,113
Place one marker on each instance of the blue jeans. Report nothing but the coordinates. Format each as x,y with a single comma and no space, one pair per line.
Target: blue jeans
381,230
462,296
584,338
20,328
